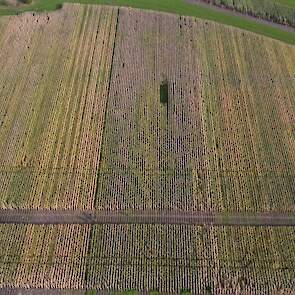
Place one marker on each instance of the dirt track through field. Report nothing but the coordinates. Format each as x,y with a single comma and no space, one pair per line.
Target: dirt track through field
242,15
29,216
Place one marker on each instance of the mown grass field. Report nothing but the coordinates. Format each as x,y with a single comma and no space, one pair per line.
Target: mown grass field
82,127
180,7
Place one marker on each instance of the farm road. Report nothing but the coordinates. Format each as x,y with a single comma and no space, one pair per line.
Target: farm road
34,216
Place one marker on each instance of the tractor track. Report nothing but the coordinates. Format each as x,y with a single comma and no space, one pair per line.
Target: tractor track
35,216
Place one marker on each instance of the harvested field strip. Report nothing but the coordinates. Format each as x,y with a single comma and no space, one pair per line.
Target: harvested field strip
146,256
28,216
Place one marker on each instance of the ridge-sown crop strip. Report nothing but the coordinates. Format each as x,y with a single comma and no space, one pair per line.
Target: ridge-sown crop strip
53,90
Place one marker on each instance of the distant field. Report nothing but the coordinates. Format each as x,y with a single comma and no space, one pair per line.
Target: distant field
86,122
180,7
276,11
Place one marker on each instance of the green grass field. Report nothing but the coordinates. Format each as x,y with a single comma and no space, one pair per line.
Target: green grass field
173,6
290,3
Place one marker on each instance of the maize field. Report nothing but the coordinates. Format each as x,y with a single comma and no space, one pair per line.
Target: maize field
83,127
87,121
168,257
